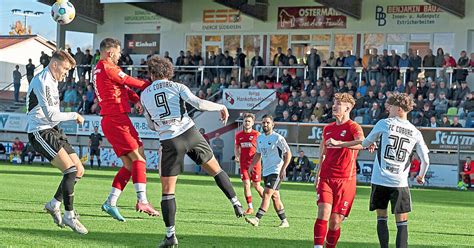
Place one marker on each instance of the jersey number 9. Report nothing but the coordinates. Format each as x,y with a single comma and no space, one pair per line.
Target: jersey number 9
160,100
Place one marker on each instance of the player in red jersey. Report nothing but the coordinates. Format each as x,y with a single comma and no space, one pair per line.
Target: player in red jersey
467,173
245,149
336,185
414,168
112,90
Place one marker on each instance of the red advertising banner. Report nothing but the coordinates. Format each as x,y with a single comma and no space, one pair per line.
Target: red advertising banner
310,18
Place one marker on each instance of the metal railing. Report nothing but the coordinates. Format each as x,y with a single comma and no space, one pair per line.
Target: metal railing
278,69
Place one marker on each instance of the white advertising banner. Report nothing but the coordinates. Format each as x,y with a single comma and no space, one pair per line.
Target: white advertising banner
437,176
13,122
17,122
248,98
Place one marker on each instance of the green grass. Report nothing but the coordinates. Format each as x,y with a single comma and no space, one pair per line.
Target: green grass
441,218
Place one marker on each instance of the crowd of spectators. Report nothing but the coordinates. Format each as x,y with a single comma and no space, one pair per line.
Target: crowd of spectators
307,98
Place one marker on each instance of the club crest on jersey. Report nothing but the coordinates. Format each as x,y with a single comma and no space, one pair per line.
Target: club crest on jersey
251,138
343,133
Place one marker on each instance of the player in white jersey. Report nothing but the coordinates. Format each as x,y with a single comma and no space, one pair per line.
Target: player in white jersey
276,155
46,138
398,138
164,109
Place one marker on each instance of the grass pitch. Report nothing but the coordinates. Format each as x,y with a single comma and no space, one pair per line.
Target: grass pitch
441,218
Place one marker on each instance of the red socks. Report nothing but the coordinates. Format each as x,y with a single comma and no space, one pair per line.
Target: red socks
332,238
139,171
320,230
249,199
121,178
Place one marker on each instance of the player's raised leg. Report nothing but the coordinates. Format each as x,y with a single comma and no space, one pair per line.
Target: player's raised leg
223,181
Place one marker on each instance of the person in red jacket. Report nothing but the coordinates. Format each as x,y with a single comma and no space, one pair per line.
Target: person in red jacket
112,90
414,168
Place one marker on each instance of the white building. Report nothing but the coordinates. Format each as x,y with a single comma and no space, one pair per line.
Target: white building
16,50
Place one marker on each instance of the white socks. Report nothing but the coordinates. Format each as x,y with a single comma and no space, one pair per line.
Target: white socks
140,188
170,231
69,214
113,196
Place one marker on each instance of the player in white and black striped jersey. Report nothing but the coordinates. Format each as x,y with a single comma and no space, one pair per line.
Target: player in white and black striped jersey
275,154
44,116
164,108
398,138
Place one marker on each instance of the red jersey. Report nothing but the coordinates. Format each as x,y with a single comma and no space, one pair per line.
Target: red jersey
111,88
467,168
17,147
415,165
340,162
248,146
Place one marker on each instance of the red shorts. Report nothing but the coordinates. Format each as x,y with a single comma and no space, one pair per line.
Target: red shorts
121,134
340,193
256,175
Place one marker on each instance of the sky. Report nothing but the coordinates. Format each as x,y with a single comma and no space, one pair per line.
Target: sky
42,25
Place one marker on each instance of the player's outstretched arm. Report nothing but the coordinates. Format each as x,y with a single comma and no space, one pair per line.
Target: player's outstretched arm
118,76
203,105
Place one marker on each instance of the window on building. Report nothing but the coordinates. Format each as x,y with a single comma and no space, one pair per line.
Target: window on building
278,41
445,41
194,42
251,42
374,41
343,42
231,43
300,37
321,37
213,38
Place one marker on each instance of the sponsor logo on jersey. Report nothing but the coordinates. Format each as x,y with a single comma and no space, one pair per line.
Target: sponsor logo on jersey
251,138
246,145
343,133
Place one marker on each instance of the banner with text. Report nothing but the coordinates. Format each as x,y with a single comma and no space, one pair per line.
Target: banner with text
247,99
142,43
222,20
409,15
435,139
311,17
16,122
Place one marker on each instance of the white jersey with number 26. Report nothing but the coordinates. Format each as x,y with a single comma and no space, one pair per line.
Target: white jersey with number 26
398,138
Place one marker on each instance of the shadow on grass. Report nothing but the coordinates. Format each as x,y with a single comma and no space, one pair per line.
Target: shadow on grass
151,240
186,180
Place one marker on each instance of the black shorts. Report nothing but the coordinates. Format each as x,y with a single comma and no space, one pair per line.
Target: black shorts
272,181
94,151
399,197
48,142
191,143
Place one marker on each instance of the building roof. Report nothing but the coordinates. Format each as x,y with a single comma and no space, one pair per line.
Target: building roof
10,40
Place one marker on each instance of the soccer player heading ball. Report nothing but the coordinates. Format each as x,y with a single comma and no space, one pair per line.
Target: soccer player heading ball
165,111
46,138
112,90
398,138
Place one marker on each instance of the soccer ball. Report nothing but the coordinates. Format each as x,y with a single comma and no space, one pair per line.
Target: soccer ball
63,12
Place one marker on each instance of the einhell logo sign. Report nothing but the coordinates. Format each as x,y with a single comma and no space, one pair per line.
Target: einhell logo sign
142,43
220,16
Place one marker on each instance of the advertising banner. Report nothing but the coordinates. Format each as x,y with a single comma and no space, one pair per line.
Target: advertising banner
311,17
222,20
409,15
13,122
247,99
142,43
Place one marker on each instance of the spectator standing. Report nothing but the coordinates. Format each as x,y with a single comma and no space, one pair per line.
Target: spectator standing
279,57
88,63
95,59
414,63
218,147
30,71
461,72
44,59
180,58
349,62
429,61
71,72
196,57
394,59
257,60
167,56
313,61
16,83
